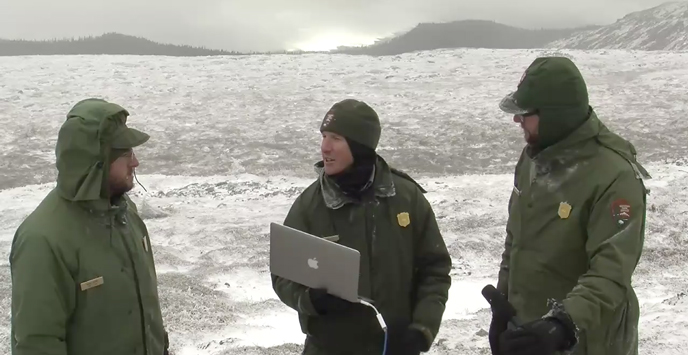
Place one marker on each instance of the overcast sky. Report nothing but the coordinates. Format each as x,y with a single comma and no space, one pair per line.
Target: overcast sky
277,24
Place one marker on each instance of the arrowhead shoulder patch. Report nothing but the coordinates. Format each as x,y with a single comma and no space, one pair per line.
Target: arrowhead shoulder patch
621,211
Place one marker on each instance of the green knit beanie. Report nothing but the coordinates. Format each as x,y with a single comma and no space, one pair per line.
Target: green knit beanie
354,120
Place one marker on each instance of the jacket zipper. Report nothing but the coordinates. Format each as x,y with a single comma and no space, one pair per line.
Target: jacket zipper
370,239
138,287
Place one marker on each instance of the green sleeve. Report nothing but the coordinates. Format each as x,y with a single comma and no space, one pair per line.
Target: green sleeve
503,275
293,294
42,297
614,246
433,265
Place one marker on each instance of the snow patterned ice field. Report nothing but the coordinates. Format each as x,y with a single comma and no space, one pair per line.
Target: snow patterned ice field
234,139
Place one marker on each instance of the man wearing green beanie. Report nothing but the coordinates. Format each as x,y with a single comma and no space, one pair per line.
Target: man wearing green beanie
576,224
83,274
382,213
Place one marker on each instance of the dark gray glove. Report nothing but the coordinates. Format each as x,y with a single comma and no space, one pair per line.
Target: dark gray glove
403,340
498,325
325,303
540,337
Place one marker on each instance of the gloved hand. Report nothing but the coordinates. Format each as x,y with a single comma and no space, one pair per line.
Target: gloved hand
540,337
325,303
403,340
497,326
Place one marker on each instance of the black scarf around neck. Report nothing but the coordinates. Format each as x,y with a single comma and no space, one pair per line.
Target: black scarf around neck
353,180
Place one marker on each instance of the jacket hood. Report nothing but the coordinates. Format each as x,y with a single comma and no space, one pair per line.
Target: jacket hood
83,149
592,128
554,88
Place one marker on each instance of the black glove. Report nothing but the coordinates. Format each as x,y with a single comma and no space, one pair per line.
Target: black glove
325,303
497,326
402,340
540,337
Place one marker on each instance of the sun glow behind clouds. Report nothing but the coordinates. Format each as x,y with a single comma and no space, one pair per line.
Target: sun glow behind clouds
332,40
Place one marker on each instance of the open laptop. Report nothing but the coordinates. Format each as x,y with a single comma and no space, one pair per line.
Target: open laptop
314,262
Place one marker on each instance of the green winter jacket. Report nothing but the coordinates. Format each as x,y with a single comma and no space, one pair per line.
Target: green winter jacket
404,267
83,275
575,234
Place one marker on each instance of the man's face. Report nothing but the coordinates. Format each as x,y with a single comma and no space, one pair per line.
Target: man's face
529,123
121,177
335,153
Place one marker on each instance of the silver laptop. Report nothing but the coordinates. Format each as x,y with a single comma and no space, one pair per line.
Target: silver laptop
314,262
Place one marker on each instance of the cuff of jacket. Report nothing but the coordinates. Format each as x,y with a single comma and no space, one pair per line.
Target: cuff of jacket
558,312
427,334
306,305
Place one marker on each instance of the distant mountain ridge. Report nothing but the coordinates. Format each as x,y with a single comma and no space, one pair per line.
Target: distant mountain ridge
462,34
663,27
108,43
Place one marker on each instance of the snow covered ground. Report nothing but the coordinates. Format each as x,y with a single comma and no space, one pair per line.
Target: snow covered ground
234,139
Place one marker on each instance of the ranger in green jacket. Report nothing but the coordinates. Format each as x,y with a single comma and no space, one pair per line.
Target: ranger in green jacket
83,275
576,224
382,213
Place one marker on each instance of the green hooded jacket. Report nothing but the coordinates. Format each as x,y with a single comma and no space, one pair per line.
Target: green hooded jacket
83,274
575,233
404,266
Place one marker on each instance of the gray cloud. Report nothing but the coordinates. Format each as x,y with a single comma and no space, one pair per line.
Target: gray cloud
276,24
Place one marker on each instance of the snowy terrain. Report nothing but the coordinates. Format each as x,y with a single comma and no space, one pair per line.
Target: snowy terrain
234,140
663,27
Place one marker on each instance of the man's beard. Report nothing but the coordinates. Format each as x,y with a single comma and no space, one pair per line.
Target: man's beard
529,137
119,188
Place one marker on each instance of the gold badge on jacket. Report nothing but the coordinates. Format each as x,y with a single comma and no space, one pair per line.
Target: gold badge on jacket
564,210
403,219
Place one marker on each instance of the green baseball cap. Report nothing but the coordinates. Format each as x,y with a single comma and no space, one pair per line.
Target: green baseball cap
127,138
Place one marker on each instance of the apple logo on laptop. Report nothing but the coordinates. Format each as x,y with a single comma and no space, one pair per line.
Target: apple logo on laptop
313,263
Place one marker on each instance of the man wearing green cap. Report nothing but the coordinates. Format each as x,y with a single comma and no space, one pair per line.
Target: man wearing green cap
83,274
382,213
576,224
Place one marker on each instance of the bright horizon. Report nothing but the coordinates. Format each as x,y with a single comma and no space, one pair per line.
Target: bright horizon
331,40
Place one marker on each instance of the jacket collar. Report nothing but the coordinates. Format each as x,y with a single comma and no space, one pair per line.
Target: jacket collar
571,147
106,209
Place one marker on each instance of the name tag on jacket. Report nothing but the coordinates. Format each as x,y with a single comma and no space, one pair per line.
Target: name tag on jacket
91,283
